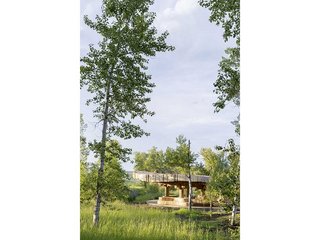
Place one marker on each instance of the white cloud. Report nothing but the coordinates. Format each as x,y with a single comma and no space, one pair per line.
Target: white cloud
185,6
182,7
168,19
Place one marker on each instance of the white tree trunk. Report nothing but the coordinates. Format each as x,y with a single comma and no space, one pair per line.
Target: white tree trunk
97,210
190,193
189,179
233,215
102,159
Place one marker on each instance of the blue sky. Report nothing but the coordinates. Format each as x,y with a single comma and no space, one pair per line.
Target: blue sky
183,96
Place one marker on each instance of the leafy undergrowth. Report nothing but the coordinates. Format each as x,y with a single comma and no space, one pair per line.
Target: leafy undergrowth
212,221
131,222
140,193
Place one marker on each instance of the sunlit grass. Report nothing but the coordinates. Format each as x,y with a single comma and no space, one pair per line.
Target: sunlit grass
127,222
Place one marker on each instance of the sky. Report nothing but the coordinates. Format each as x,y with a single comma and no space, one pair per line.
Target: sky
183,96
279,117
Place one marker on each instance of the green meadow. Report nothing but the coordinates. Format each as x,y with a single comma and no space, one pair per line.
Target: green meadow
120,221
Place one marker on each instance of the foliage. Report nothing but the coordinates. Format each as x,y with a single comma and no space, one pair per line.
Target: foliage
141,193
185,213
229,184
152,161
171,161
215,165
113,181
211,159
115,72
84,151
234,234
180,159
226,14
198,168
224,168
140,159
225,180
227,84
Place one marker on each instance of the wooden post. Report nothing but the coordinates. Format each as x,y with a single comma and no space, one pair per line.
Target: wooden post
181,192
167,191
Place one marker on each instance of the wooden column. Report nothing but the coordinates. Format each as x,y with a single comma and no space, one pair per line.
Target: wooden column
181,192
167,191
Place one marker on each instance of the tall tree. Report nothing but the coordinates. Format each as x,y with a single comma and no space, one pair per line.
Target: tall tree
224,168
229,181
215,165
227,85
182,160
233,177
115,72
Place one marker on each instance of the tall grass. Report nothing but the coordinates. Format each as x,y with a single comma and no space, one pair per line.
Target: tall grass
127,222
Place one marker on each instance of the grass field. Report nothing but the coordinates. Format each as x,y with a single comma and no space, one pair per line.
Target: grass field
121,221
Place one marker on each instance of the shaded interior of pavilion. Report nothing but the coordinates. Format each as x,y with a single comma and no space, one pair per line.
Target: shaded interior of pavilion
173,183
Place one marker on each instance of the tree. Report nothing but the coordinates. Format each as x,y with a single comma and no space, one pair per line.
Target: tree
140,158
227,88
113,183
227,85
230,182
224,168
115,72
155,160
152,161
199,169
227,181
84,152
215,165
182,160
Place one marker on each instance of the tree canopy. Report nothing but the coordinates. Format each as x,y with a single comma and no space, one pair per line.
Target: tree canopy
227,85
115,74
226,14
173,160
152,161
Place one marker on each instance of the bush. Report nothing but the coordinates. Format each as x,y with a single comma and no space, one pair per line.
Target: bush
140,193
